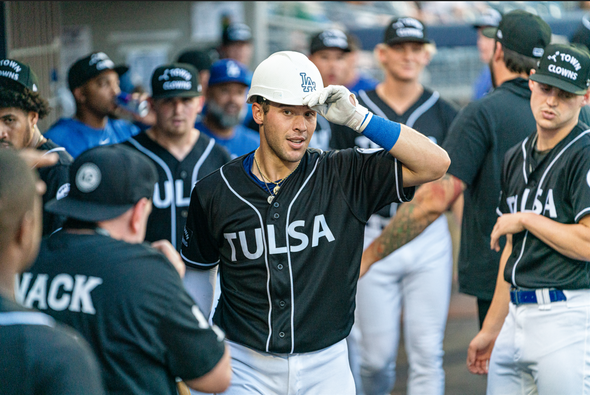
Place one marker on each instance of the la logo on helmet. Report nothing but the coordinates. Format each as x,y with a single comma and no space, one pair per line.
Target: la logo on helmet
306,83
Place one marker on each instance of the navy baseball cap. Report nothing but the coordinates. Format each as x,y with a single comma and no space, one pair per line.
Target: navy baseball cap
521,32
236,32
401,30
18,72
229,70
329,39
90,66
565,67
176,80
105,182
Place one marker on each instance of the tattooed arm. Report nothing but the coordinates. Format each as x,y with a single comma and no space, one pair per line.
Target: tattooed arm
429,203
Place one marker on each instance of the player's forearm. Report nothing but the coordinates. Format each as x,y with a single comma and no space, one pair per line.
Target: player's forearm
431,201
571,240
218,379
501,301
200,284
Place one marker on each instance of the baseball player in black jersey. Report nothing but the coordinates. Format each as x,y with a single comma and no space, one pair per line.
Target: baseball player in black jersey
124,296
180,152
285,224
477,140
21,107
416,278
37,355
538,322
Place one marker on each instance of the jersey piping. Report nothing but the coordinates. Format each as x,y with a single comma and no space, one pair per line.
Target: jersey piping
289,257
265,254
168,172
25,318
372,105
526,179
422,109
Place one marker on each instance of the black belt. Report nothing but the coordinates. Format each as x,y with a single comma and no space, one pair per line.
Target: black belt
520,296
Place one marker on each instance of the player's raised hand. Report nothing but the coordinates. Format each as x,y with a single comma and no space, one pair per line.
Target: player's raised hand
479,353
166,248
37,159
339,106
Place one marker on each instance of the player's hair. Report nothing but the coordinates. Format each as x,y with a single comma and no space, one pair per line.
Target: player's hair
264,103
518,63
13,94
17,194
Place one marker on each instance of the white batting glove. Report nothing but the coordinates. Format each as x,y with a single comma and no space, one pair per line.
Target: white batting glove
339,106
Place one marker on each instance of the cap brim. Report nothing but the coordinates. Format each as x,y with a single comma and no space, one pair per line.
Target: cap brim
558,83
400,40
489,32
177,94
85,211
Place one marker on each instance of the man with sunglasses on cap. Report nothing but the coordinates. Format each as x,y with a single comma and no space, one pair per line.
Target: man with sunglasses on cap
538,322
21,108
416,279
124,296
94,82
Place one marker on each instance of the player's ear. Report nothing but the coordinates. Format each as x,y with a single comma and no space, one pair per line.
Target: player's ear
139,215
79,95
586,98
258,113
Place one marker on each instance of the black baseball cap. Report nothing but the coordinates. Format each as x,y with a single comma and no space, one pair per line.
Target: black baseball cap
105,182
236,32
18,72
522,32
405,29
176,80
90,66
329,39
565,67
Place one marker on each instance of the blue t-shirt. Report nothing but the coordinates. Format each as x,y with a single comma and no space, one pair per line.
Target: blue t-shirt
363,83
243,141
483,84
77,137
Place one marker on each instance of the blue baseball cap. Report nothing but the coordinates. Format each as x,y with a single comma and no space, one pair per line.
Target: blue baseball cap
229,70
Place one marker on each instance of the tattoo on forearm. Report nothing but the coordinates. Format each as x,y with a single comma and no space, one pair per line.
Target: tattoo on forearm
412,218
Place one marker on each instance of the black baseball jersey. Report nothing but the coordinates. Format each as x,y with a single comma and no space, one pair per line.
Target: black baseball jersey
40,356
430,115
57,180
557,186
478,139
175,182
289,269
130,304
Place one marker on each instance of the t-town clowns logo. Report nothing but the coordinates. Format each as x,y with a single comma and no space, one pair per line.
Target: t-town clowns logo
564,57
182,81
11,64
101,60
307,83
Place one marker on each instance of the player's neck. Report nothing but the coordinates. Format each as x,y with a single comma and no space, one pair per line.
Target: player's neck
399,94
179,145
272,167
502,74
549,138
91,119
217,130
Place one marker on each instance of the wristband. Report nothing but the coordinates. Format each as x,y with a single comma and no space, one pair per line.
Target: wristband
382,132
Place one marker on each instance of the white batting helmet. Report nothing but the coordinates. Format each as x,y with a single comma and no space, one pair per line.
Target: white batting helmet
285,77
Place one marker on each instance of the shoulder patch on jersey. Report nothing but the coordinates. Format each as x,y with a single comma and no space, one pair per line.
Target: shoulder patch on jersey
88,177
368,151
63,191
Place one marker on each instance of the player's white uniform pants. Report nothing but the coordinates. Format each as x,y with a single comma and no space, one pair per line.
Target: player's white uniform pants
544,352
417,278
322,372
